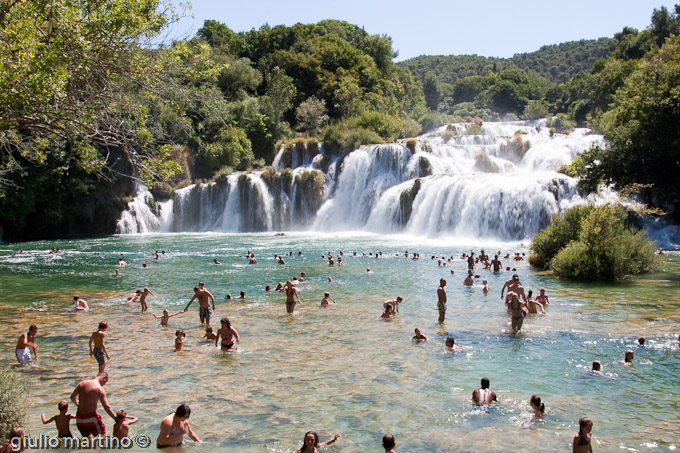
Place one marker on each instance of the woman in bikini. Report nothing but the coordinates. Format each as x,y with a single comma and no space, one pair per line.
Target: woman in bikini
311,442
291,295
227,334
173,428
516,312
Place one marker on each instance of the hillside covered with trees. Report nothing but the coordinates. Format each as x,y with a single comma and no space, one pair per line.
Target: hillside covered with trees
90,103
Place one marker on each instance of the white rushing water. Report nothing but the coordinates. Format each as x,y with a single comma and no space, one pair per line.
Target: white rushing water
500,184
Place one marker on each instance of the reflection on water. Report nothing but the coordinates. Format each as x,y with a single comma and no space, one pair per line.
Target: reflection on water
341,369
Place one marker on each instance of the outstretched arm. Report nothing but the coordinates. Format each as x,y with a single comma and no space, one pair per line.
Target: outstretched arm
192,299
323,444
46,421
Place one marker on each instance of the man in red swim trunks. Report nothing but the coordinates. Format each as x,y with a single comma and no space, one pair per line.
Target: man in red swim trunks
89,393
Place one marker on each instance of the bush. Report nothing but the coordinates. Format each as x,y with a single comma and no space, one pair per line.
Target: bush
386,126
432,120
359,137
605,248
12,396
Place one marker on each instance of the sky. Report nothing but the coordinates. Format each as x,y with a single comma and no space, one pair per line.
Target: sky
490,28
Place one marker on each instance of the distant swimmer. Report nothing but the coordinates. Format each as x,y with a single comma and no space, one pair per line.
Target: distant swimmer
627,360
534,306
291,295
133,297
142,298
281,261
368,270
209,335
418,337
99,350
537,406
641,342
166,316
469,279
597,368
389,443
441,300
394,302
81,305
121,262
252,259
26,344
451,345
311,442
216,262
326,299
485,288
227,334
483,396
582,441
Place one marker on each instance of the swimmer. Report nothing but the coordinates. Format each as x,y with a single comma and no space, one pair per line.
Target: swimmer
121,262
81,305
534,306
252,259
418,337
281,261
389,443
99,351
641,342
395,303
117,274
330,280
582,441
173,428
325,301
451,345
227,334
242,296
483,396
537,406
597,368
216,262
311,442
368,270
627,360
279,287
165,316
209,335
133,297
303,275
268,289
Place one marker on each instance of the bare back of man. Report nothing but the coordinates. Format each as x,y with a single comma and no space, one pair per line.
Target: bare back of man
86,396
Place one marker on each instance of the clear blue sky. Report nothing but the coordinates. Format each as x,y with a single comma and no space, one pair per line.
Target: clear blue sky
492,28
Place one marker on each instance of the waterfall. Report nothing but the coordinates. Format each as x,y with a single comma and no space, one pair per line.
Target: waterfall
495,181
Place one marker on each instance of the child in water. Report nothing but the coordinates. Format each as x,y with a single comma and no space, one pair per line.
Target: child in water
121,428
582,441
166,315
179,340
62,420
418,337
325,301
209,335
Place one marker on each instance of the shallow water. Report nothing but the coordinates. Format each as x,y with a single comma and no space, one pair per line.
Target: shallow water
341,369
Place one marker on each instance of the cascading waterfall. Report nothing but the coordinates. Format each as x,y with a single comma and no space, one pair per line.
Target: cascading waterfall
496,181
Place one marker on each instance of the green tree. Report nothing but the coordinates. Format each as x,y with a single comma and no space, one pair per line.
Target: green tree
311,116
432,91
280,92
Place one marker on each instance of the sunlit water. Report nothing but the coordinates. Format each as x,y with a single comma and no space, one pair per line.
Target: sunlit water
341,369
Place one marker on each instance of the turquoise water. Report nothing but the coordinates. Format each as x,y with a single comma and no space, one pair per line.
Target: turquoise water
342,369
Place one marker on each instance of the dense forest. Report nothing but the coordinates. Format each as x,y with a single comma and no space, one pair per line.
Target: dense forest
90,103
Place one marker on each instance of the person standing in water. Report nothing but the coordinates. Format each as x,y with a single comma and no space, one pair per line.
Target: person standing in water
227,334
25,344
142,298
441,300
173,428
99,351
88,394
582,441
291,295
204,299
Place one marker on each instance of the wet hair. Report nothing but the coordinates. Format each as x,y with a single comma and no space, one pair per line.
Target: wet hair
327,294
641,341
531,291
450,340
32,327
76,297
63,405
120,415
485,382
583,422
597,365
537,401
208,329
630,353
180,332
515,277
243,293
183,411
267,288
103,325
303,449
388,441
195,288
225,321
